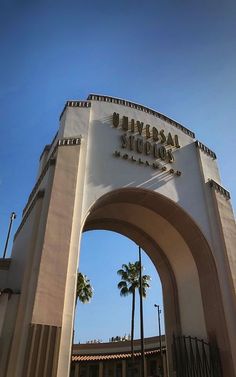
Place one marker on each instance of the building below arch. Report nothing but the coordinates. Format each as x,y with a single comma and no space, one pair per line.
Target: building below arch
114,359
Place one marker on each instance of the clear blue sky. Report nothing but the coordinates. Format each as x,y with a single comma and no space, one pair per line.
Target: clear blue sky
108,314
176,56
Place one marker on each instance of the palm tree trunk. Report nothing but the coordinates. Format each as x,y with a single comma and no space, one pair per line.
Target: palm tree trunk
132,325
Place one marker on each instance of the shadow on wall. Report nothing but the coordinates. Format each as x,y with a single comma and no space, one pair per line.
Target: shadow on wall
115,172
107,172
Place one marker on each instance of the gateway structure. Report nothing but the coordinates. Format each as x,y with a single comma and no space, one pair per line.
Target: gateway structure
120,166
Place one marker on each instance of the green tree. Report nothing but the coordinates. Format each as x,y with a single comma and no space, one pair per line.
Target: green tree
129,283
84,293
84,290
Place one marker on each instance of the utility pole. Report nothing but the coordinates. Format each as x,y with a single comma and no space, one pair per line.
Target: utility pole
13,216
159,330
141,315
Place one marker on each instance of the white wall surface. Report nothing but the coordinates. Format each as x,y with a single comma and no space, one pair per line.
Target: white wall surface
105,173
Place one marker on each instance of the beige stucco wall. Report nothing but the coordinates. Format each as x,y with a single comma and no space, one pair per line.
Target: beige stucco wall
46,250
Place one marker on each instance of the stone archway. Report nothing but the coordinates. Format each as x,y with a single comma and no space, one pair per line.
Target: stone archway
121,166
181,254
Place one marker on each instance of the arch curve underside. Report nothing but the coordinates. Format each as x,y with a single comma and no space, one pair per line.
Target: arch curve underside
180,253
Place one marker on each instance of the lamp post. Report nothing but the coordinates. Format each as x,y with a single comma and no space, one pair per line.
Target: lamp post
159,329
12,217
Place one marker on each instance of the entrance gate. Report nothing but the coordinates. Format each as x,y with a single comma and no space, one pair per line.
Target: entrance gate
120,166
194,357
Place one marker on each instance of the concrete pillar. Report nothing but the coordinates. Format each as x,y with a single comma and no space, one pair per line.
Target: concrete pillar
49,274
123,368
77,370
87,370
164,362
100,373
145,367
3,308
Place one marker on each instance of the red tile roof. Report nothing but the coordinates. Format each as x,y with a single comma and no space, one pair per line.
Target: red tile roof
114,356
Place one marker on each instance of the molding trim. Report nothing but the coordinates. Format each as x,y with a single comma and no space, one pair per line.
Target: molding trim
45,149
219,188
35,194
205,149
9,292
49,163
69,141
48,146
83,104
119,101
42,348
39,195
5,263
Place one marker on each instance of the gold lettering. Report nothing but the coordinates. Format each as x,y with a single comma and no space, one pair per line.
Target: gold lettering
148,135
117,154
148,147
163,138
125,123
140,127
155,151
176,141
155,134
131,142
116,119
124,141
170,140
132,125
170,155
162,153
142,146
139,145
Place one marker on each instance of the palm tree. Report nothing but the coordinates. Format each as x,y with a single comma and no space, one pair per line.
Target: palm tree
84,290
128,285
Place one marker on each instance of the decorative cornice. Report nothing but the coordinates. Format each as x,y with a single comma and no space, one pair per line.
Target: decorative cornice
205,149
48,146
50,162
54,139
69,141
39,195
45,149
5,263
219,188
75,104
9,292
119,101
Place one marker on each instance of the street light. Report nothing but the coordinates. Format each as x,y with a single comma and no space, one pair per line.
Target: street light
12,217
159,327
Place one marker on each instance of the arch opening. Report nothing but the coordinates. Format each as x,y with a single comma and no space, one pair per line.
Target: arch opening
180,253
104,325
108,313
